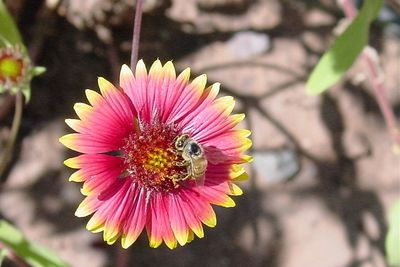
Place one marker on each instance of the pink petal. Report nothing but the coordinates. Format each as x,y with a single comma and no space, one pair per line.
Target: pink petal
85,143
186,99
202,207
106,209
135,87
116,219
158,225
177,219
192,217
136,217
107,122
206,100
214,119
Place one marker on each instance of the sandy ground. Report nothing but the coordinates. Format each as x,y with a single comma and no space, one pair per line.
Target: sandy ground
323,176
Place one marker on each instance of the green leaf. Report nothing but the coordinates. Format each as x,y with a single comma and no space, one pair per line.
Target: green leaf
35,255
38,70
344,51
9,33
26,88
392,242
3,254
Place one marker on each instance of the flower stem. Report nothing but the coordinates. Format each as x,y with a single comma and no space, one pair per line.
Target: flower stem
379,89
19,102
19,262
136,33
370,57
348,9
122,257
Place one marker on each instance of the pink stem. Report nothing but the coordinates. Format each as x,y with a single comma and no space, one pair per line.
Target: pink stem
379,89
122,257
349,9
136,33
377,84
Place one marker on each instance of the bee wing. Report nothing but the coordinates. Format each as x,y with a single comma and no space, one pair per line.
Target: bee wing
200,180
215,155
199,165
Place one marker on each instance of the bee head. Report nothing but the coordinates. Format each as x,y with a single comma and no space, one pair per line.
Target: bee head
180,141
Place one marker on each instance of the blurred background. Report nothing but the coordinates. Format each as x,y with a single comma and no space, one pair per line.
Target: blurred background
323,176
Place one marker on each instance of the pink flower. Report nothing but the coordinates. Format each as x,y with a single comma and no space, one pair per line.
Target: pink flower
157,152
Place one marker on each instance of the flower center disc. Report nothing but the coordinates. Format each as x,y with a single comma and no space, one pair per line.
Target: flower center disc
10,68
151,158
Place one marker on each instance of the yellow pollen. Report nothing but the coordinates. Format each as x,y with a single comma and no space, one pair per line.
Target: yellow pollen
151,157
158,160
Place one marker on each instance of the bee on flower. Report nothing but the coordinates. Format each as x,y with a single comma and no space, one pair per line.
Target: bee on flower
157,151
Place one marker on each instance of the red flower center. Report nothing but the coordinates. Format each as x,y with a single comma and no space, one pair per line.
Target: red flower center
11,68
151,157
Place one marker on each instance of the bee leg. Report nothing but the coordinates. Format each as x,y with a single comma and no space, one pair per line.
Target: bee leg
173,151
186,177
176,178
175,183
183,163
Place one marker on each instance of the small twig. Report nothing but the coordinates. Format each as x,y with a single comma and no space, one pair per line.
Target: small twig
395,4
136,33
122,257
17,260
19,103
379,89
12,256
6,105
371,59
348,8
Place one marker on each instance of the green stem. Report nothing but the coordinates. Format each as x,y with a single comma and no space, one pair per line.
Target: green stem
19,103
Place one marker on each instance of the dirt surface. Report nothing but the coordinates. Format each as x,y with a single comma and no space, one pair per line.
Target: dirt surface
323,176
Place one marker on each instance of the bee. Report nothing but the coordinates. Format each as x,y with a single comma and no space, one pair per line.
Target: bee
193,158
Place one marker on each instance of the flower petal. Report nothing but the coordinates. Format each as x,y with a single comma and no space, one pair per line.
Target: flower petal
136,217
135,86
122,202
202,207
187,96
115,220
177,218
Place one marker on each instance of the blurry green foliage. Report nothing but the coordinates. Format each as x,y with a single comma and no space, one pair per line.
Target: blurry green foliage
3,254
8,30
344,51
34,255
392,242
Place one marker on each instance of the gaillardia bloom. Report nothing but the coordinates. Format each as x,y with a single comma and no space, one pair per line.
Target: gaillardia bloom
16,70
157,151
13,68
